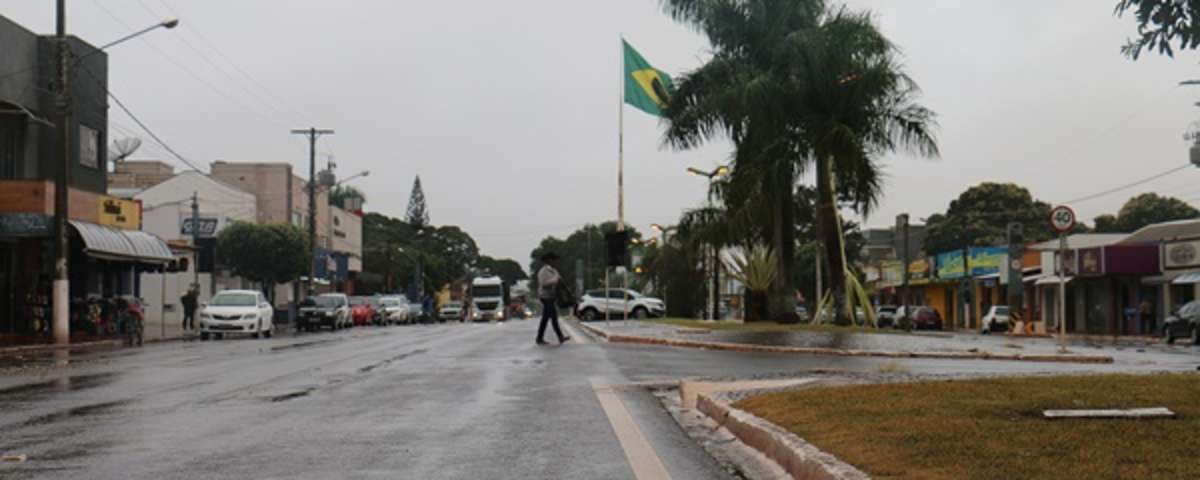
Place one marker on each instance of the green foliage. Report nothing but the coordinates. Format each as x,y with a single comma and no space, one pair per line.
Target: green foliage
508,269
756,267
392,248
678,279
268,254
797,85
980,216
418,212
586,244
339,194
1145,209
1161,22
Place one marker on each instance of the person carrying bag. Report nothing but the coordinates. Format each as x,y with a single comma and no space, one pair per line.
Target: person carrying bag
549,288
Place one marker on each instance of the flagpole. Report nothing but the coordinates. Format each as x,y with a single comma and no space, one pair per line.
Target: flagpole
621,144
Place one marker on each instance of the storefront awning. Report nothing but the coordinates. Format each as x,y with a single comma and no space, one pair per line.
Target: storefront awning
1187,279
1053,280
122,245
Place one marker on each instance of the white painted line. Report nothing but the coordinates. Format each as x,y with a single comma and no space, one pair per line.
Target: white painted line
642,460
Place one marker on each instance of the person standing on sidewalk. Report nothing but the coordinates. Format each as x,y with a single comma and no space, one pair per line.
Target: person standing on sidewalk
548,283
189,308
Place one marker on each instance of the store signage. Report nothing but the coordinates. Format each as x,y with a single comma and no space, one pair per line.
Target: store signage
919,271
1181,254
1091,261
892,273
208,226
120,213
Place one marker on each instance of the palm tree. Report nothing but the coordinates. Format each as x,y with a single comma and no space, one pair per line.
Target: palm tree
796,85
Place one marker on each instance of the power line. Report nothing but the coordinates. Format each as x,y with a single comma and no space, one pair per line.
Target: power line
1129,185
139,121
211,44
189,71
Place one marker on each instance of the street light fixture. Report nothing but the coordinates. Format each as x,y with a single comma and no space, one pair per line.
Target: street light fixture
715,288
364,173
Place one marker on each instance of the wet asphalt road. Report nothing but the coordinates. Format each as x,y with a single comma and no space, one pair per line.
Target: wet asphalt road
437,401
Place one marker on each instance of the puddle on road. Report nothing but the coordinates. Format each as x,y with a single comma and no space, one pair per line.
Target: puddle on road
77,412
66,384
301,345
396,358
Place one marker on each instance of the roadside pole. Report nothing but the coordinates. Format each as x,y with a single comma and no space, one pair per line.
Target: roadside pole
1062,220
607,309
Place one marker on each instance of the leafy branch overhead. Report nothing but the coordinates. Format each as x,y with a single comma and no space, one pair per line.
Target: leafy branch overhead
1161,23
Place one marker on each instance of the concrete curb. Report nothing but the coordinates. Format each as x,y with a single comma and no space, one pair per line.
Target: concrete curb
28,349
797,457
741,347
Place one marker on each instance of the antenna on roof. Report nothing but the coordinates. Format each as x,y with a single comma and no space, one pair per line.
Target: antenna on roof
123,148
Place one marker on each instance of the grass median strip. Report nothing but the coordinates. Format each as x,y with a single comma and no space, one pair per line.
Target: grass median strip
993,428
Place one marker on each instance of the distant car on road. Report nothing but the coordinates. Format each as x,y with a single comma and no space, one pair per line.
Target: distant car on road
620,302
925,318
885,315
328,310
996,319
237,311
1184,322
394,310
362,313
452,310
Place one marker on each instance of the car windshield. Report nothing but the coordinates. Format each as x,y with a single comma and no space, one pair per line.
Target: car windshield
453,305
358,301
389,302
327,302
234,300
1001,310
486,291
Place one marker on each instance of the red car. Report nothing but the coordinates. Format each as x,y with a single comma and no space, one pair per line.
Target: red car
925,318
361,311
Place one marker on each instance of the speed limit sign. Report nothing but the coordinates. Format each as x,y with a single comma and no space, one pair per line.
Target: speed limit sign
1062,219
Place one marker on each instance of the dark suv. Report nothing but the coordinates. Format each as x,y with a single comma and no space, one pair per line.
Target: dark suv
1185,322
329,310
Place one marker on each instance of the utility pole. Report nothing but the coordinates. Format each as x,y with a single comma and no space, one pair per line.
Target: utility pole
195,241
312,133
61,295
968,285
902,225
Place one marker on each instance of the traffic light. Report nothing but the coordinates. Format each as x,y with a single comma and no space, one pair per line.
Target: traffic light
618,248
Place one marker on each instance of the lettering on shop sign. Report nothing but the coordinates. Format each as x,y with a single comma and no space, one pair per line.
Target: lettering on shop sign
208,227
1181,254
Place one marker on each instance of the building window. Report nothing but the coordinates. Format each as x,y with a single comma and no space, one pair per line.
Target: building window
89,147
11,145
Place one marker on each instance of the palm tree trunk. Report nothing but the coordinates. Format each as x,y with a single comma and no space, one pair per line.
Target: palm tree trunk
827,230
783,239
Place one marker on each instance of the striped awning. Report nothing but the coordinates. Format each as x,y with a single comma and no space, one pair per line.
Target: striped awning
109,243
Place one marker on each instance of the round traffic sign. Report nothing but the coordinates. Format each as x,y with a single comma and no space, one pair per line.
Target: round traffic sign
1062,219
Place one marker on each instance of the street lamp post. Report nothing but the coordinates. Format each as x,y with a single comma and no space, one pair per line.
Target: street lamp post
61,295
662,231
714,291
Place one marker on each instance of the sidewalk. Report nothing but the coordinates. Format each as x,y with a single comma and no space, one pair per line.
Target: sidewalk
916,345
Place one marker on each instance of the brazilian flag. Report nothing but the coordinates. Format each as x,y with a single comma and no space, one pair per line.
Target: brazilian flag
646,87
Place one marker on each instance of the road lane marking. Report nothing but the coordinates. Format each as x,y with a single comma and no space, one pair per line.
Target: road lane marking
642,460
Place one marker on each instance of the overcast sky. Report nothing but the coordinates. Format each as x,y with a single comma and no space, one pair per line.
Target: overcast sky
508,109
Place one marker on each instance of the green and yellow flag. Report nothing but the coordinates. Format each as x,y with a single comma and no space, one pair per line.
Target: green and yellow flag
646,87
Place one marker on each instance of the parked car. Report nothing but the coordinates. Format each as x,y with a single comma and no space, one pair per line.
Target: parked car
394,310
885,315
328,310
996,319
452,310
620,302
802,313
237,311
362,313
1184,322
925,318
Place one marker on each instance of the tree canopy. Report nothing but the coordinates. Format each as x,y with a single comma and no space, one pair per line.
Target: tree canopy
264,253
506,268
392,248
586,244
1160,23
1145,209
980,217
418,213
339,194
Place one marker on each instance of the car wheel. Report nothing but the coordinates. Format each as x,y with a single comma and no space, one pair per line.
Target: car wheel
1196,336
258,331
204,335
1168,335
219,336
270,332
641,313
589,314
